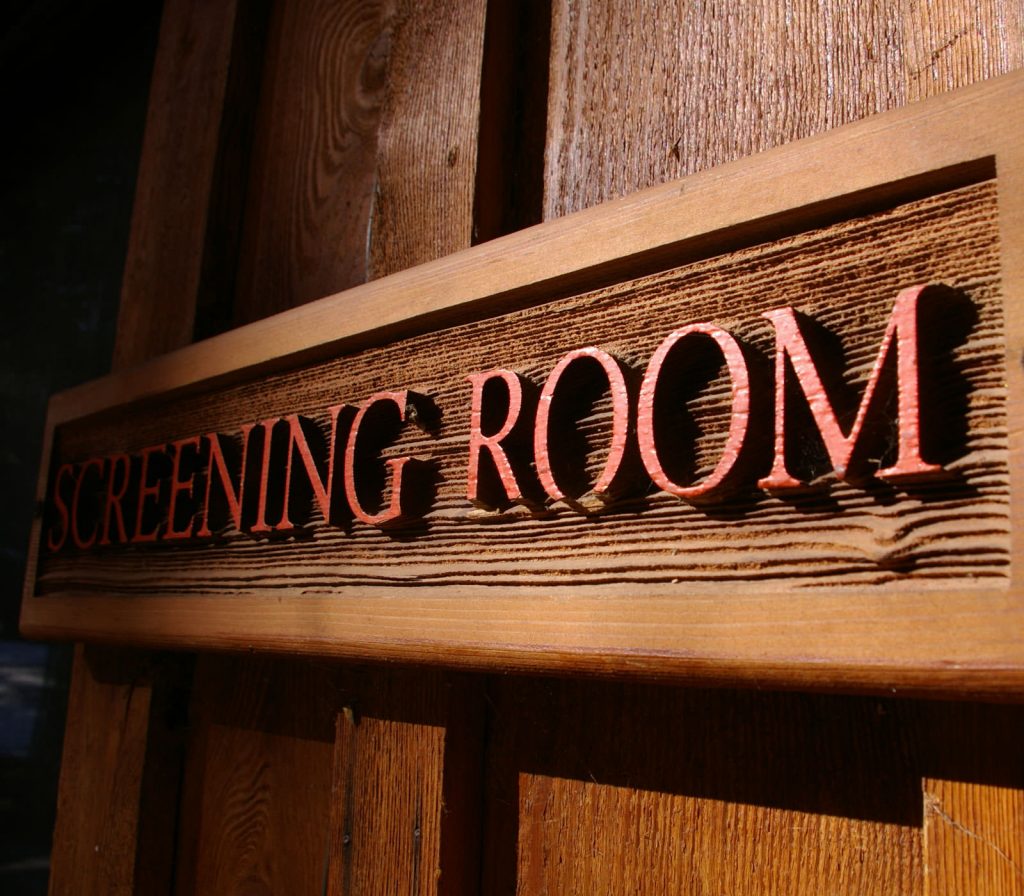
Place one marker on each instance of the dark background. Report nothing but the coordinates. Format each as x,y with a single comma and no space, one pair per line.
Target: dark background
75,82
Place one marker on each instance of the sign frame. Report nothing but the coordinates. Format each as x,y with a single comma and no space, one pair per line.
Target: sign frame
936,641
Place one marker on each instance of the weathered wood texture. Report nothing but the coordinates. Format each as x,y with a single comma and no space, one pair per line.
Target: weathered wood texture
365,149
175,184
690,791
314,155
646,92
123,739
839,535
427,154
258,778
407,784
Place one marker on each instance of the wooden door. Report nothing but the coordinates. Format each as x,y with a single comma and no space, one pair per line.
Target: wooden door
298,147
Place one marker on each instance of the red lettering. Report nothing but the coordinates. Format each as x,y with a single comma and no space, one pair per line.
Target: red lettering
76,536
178,486
146,491
55,544
261,505
620,421
112,506
901,329
740,387
478,441
321,490
393,511
234,498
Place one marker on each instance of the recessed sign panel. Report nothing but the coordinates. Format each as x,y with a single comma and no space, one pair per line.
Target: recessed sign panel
757,425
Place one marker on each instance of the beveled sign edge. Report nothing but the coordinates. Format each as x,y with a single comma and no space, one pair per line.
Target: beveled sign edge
936,135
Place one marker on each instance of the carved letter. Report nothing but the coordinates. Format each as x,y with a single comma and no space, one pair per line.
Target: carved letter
261,505
234,498
902,328
146,491
115,496
321,490
394,510
477,440
620,421
76,536
740,387
177,486
55,544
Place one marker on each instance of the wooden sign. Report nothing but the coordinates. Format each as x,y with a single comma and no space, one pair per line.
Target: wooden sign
760,426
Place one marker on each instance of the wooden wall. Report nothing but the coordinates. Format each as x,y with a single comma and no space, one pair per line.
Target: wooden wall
297,147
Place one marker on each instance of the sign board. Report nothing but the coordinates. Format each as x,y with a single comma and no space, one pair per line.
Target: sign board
762,425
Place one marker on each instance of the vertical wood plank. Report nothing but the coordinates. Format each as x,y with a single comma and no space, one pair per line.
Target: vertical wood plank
427,154
257,802
973,793
408,755
406,785
179,152
122,741
102,767
644,93
620,788
315,153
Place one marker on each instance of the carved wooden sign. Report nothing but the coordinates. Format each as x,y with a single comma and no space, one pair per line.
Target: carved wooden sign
756,426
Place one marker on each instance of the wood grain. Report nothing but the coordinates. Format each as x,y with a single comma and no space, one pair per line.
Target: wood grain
163,267
120,770
644,94
697,791
842,535
427,146
258,778
690,791
102,769
406,784
973,791
314,155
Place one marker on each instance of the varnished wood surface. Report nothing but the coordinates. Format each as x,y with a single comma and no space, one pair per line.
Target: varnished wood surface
648,92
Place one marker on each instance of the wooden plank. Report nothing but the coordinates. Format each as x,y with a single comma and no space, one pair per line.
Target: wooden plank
426,167
632,105
258,778
123,737
743,791
736,205
679,630
315,155
168,230
406,787
973,791
119,773
690,791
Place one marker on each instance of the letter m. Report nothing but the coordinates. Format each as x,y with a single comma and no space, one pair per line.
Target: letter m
901,337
